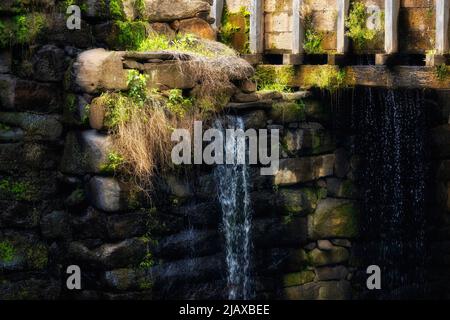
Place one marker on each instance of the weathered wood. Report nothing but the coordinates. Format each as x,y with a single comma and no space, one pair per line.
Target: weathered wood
342,11
442,16
392,8
257,26
216,13
378,76
298,32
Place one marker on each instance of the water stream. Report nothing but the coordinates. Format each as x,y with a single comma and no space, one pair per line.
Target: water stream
234,197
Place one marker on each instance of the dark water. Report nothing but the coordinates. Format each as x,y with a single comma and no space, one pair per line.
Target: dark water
391,144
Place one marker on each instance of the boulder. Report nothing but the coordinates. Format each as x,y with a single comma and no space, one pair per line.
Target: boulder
24,95
22,251
35,127
247,86
98,69
164,29
198,27
170,75
310,137
85,152
298,200
170,10
298,170
331,273
336,255
111,255
333,218
55,225
108,195
49,64
324,245
298,278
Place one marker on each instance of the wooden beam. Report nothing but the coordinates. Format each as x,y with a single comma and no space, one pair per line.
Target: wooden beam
342,11
376,76
442,16
216,13
392,8
257,26
298,31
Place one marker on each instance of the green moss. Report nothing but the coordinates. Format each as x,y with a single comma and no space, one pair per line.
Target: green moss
336,255
274,78
229,29
16,190
298,278
286,112
38,256
7,252
356,24
115,161
441,72
327,77
115,9
139,6
130,34
28,27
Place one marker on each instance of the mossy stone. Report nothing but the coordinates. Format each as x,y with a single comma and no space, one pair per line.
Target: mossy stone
298,278
336,255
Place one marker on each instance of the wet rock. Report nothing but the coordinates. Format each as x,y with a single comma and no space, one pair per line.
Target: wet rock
296,170
24,95
298,278
49,64
197,26
323,290
112,255
298,200
200,214
310,137
34,126
189,243
18,214
90,225
127,225
331,273
22,157
98,69
339,188
85,152
55,225
336,255
333,218
108,195
169,10
20,251
255,120
30,289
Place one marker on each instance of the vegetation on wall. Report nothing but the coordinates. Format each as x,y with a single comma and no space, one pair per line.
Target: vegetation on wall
274,78
441,71
356,24
229,29
313,38
22,29
327,78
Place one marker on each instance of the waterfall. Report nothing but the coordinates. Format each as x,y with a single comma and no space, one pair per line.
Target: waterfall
391,144
234,197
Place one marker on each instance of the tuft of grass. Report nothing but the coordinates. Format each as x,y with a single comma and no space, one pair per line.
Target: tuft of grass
274,78
327,78
313,38
229,29
441,72
115,161
177,104
6,252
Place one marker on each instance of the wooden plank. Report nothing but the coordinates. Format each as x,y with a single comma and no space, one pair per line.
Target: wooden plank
257,27
442,18
216,13
342,11
298,32
392,8
378,76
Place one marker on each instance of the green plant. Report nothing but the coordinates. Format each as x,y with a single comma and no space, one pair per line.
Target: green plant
313,38
115,10
130,34
356,25
18,190
441,71
274,78
115,161
229,29
137,86
6,252
177,104
139,6
327,77
148,261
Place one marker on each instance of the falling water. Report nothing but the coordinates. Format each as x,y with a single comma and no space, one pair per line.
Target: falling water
391,126
233,194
